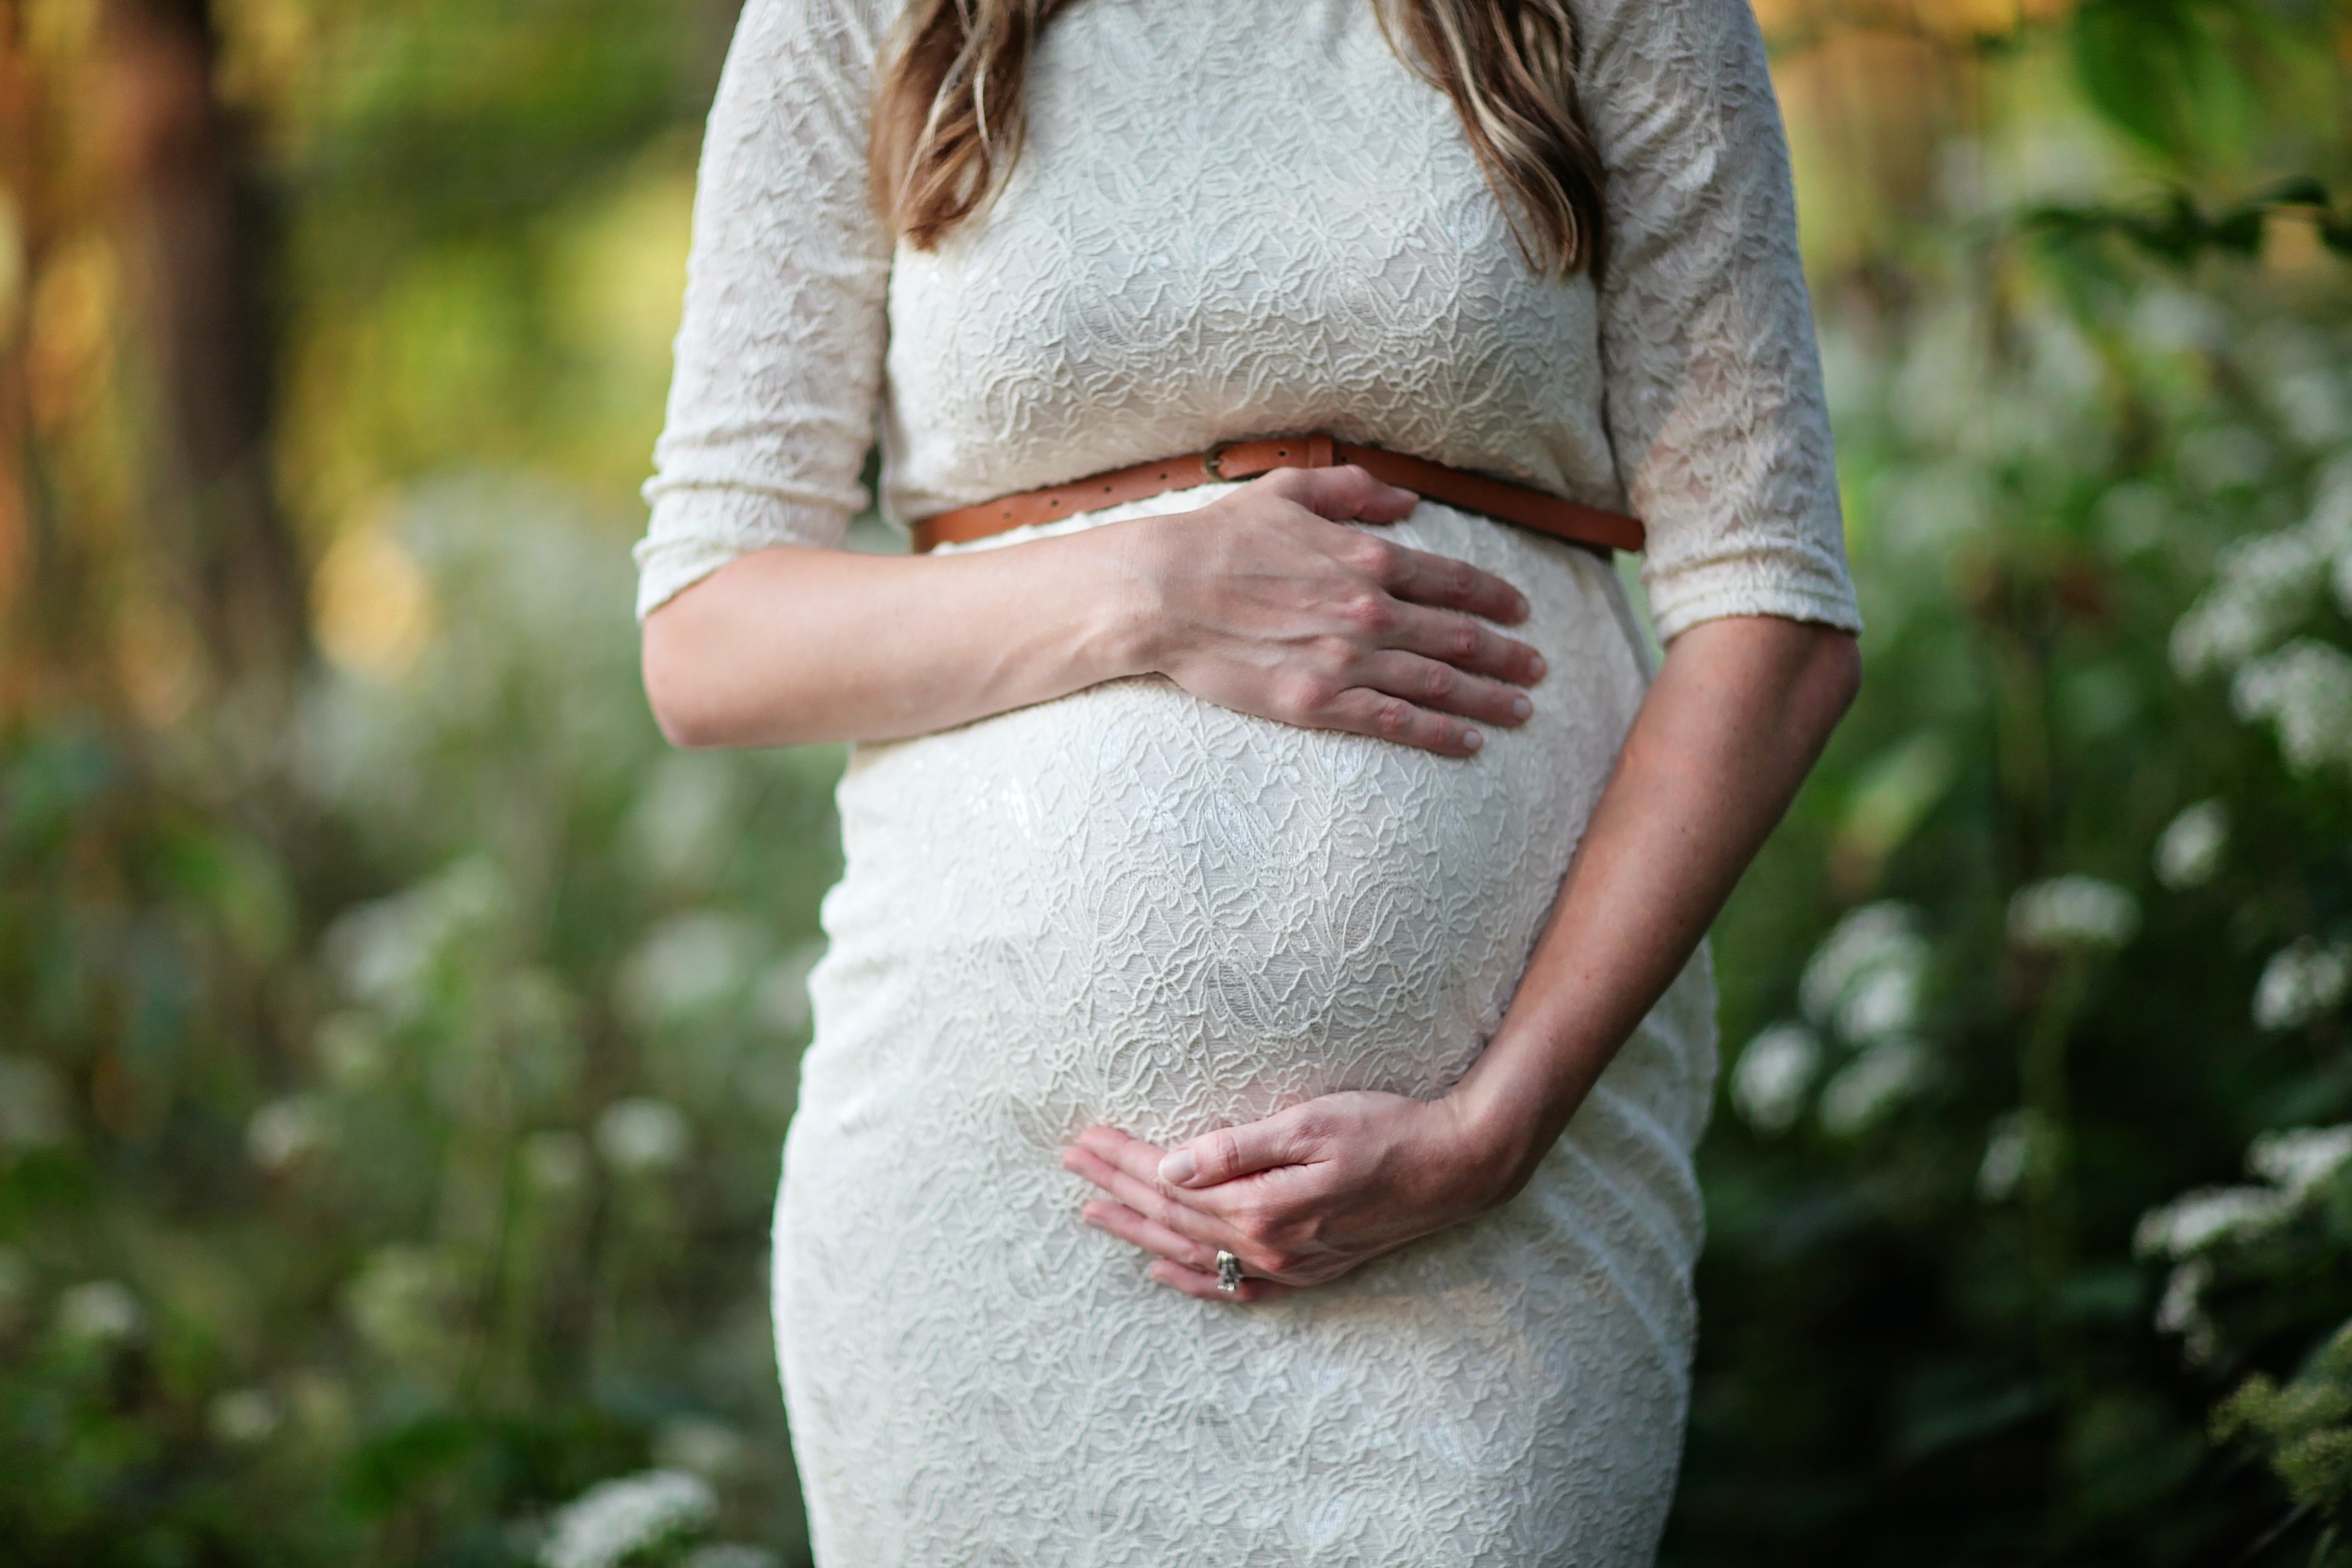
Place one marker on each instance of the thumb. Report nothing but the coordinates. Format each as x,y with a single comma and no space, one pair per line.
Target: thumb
1233,1152
1344,494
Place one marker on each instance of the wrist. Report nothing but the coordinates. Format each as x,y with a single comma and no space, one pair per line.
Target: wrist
1504,1127
1126,624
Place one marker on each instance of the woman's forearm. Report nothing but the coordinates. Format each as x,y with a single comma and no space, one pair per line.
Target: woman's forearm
1736,718
1259,601
791,644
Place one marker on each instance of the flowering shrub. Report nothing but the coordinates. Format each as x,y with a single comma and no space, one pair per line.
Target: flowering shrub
2029,1213
483,1222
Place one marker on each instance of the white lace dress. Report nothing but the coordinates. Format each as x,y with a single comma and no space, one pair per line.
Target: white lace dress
1128,907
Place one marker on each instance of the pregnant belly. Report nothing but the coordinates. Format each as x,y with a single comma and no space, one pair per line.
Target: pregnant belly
1133,907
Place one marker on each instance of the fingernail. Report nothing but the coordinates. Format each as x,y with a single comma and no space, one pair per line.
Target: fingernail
1179,1168
1536,667
1521,706
1471,740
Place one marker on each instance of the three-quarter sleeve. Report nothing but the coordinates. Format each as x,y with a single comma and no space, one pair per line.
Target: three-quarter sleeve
1715,414
780,350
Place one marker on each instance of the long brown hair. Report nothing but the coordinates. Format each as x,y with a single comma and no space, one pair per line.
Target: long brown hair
949,115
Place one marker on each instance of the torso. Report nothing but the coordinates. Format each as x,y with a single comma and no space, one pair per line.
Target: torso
1231,220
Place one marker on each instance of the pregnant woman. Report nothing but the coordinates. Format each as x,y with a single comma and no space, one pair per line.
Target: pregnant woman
1264,1027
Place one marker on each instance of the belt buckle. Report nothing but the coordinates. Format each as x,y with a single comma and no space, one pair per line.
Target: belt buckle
1213,460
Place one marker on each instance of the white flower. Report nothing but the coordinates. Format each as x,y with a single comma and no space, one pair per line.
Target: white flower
401,1302
2311,404
2330,523
614,1519
686,964
32,1104
2300,1159
1768,1084
2195,1221
1883,1001
2305,690
2007,1150
2184,1289
2071,912
284,1130
2262,587
386,950
2300,983
1873,1084
639,1135
2182,1310
244,1417
2189,849
101,1312
1871,939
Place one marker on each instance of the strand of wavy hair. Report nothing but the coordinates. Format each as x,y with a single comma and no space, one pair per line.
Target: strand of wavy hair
948,116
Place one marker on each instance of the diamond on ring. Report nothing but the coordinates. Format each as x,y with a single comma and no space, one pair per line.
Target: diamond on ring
1229,1273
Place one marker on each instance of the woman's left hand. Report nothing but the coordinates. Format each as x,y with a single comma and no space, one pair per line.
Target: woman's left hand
1300,1197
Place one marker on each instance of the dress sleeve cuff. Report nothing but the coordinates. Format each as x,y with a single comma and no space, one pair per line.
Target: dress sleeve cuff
697,528
1682,600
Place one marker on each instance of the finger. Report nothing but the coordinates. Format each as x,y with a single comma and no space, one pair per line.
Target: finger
1160,1204
1131,1155
1463,642
1118,1220
1233,1152
1193,1282
1443,688
1342,494
1451,584
1360,710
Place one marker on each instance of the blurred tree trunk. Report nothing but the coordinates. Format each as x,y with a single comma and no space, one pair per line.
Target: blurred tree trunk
19,161
195,234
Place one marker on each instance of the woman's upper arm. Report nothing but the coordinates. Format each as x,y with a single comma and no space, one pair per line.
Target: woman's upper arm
1713,386
779,353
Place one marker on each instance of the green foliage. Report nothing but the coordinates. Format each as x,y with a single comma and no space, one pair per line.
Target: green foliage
2176,229
2174,74
2306,1427
2077,818
400,1151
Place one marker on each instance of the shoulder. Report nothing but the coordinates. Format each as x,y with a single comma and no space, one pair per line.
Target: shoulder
772,35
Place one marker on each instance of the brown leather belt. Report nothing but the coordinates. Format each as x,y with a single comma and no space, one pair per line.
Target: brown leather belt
1244,459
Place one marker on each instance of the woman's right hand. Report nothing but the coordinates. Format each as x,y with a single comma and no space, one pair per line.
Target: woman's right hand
1262,601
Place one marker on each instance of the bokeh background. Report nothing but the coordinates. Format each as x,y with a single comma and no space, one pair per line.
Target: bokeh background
395,1037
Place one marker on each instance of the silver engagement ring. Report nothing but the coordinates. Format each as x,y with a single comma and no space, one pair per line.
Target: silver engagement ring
1229,1273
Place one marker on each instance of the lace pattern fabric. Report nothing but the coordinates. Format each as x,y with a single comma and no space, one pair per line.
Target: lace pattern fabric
1128,907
